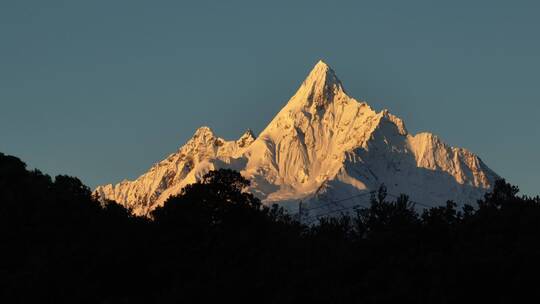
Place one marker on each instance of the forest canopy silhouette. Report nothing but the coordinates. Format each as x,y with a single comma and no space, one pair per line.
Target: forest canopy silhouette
214,241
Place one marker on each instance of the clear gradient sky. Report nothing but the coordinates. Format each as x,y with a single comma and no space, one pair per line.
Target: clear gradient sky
104,89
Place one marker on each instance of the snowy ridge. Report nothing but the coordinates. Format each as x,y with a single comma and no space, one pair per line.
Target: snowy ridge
202,153
322,145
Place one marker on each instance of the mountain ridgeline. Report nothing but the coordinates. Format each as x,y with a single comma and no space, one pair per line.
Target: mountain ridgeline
322,146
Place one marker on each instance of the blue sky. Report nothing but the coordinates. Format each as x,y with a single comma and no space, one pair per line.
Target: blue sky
104,89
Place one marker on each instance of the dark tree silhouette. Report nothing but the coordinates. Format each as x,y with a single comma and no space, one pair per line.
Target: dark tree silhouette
216,242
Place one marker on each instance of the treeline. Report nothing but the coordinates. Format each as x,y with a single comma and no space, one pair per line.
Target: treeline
214,242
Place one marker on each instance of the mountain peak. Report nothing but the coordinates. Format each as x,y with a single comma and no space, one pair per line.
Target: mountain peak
321,85
202,132
248,133
246,139
322,145
322,74
321,63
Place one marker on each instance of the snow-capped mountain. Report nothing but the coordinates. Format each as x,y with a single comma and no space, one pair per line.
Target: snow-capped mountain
322,146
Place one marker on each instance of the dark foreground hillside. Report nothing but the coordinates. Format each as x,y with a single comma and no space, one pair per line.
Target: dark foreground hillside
215,243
